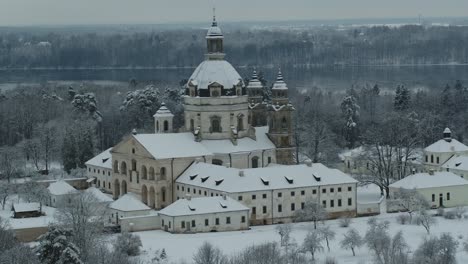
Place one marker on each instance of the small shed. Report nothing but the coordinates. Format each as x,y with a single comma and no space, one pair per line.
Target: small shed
126,206
60,192
25,210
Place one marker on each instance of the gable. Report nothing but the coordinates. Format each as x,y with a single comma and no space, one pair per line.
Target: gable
128,144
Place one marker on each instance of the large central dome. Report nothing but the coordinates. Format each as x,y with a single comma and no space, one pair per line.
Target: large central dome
219,71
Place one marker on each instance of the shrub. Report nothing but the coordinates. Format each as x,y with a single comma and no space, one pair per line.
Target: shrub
330,260
450,215
403,219
459,212
440,211
345,221
128,243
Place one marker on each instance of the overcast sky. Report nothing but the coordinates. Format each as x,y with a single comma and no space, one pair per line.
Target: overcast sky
59,12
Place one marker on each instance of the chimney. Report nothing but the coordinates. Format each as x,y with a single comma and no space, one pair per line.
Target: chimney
431,172
241,173
134,131
188,197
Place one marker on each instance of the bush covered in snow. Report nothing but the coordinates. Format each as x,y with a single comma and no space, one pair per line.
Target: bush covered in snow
403,219
345,221
128,243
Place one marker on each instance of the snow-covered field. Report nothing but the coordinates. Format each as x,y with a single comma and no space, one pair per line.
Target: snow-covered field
183,246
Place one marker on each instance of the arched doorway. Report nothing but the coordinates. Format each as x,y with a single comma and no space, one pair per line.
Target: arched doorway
151,197
144,194
166,126
255,162
124,187
116,189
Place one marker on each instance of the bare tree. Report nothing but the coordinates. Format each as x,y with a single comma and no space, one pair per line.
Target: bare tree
352,240
284,230
327,234
410,201
426,219
9,163
436,250
312,211
6,190
312,243
209,254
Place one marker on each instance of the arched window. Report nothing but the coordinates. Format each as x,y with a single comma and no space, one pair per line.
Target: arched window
144,172
432,158
255,162
163,194
240,122
162,173
284,123
123,168
134,165
151,173
217,162
192,125
216,125
116,166
166,126
157,125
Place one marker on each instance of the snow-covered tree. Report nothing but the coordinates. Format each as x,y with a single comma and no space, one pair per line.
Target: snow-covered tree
402,98
352,240
209,254
69,256
410,201
54,243
6,190
312,211
87,104
426,219
284,230
140,105
128,243
437,250
313,243
7,236
33,192
328,234
350,113
18,254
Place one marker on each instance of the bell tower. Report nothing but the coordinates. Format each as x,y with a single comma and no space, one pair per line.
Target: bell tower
163,120
214,41
257,107
280,122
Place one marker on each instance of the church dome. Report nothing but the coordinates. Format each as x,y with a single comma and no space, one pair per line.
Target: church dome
215,71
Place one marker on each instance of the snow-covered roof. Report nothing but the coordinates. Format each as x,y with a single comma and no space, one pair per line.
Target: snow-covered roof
100,196
234,180
104,160
280,84
254,83
244,144
426,180
129,202
172,145
202,205
443,145
179,145
26,207
60,188
163,112
219,71
457,162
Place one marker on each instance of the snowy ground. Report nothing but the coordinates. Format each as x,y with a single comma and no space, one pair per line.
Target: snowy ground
183,246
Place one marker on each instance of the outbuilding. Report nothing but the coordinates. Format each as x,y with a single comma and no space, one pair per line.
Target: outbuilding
126,206
25,210
440,189
60,192
204,214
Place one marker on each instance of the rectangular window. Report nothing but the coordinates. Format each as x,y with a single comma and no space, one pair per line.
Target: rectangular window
293,193
254,210
350,201
280,208
183,188
332,190
194,191
205,193
433,197
280,194
324,204
264,196
182,224
193,223
302,205
212,194
217,221
314,191
177,187
264,209
239,198
332,203
293,206
188,190
302,192
339,189
350,189
243,219
199,192
339,202
269,160
254,196
207,222
228,220
448,196
324,190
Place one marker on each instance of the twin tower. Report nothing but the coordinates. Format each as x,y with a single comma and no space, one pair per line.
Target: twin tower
219,106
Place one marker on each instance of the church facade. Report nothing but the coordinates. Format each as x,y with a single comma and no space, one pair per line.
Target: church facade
227,125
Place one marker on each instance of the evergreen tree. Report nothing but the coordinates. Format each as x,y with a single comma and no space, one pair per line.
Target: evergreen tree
350,112
402,98
55,247
69,151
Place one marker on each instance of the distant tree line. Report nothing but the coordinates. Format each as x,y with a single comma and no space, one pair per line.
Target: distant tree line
380,45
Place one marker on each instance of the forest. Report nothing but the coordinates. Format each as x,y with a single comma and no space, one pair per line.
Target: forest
377,45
